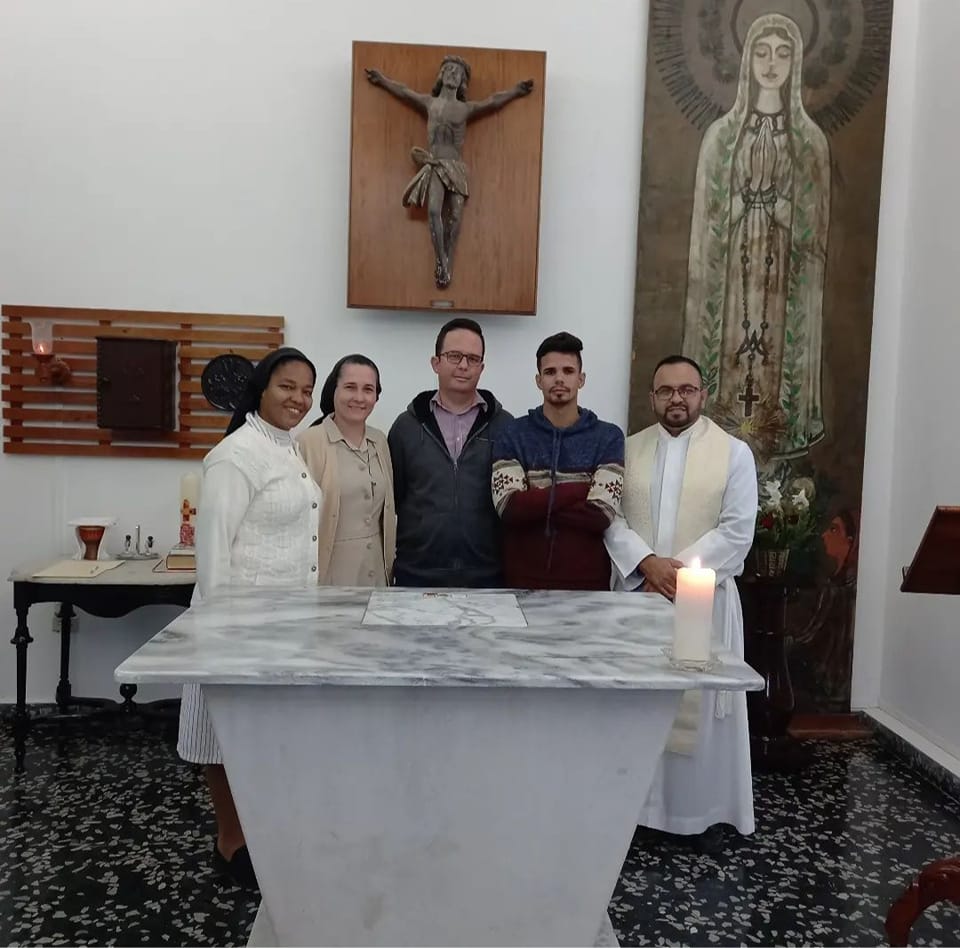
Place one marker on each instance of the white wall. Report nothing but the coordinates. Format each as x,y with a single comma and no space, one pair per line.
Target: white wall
170,154
873,579
908,646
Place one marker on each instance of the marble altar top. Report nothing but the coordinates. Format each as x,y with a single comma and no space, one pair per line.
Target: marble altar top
352,636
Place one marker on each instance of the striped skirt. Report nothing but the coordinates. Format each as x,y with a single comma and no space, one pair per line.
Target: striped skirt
196,741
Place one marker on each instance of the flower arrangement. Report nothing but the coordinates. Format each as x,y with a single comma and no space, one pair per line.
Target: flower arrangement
786,518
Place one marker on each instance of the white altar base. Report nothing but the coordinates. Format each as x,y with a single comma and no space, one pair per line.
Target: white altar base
454,784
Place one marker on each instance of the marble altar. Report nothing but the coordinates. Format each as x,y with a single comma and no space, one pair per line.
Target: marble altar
462,768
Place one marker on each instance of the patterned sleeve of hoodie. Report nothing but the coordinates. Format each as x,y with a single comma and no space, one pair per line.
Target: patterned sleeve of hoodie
606,485
508,475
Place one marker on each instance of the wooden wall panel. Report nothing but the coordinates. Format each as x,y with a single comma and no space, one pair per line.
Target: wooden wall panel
391,258
62,420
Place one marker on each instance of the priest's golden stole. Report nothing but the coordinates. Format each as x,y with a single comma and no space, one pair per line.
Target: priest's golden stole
701,497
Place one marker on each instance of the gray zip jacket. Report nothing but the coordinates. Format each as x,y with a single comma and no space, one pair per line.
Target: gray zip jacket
448,532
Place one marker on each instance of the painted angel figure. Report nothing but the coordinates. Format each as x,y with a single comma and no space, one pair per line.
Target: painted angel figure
758,247
441,185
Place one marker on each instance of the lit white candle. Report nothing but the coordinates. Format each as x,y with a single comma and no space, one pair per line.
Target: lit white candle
693,615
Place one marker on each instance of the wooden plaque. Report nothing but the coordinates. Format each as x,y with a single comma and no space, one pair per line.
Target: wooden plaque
48,419
391,258
936,564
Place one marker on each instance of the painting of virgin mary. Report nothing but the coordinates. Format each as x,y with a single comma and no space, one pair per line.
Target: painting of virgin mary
758,246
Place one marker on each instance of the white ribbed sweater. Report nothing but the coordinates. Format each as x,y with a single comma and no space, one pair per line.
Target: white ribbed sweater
259,512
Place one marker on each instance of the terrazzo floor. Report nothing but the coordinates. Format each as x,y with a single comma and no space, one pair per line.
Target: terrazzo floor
105,840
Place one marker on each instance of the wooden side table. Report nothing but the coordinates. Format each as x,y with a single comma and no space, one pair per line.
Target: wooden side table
116,592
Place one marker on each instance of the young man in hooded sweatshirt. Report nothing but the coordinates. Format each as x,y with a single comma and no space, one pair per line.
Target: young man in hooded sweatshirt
557,481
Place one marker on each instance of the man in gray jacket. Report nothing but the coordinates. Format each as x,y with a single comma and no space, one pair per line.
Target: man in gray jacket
448,532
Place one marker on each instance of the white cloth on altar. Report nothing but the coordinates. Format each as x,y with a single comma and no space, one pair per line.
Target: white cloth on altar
714,785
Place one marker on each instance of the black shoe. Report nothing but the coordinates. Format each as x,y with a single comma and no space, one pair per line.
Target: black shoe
712,841
237,868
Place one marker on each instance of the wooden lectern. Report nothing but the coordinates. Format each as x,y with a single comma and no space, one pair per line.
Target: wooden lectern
936,564
935,569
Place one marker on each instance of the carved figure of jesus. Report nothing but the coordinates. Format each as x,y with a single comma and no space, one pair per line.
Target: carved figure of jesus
441,185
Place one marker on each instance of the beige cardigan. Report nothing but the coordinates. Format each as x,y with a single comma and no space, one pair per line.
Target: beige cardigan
321,460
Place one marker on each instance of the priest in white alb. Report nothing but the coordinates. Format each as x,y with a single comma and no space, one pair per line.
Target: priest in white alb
690,491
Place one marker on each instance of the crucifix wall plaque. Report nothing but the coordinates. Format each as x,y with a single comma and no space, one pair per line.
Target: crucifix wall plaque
445,178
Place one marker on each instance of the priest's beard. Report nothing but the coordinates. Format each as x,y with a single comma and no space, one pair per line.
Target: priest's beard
677,418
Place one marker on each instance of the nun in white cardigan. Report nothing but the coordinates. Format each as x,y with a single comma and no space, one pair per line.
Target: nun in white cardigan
257,525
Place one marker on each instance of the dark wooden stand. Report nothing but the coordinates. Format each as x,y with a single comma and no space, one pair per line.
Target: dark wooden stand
935,569
104,597
769,711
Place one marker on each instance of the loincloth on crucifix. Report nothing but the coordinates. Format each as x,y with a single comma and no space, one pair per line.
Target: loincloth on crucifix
451,171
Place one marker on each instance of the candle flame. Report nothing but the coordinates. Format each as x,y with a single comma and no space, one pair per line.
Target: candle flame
695,563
